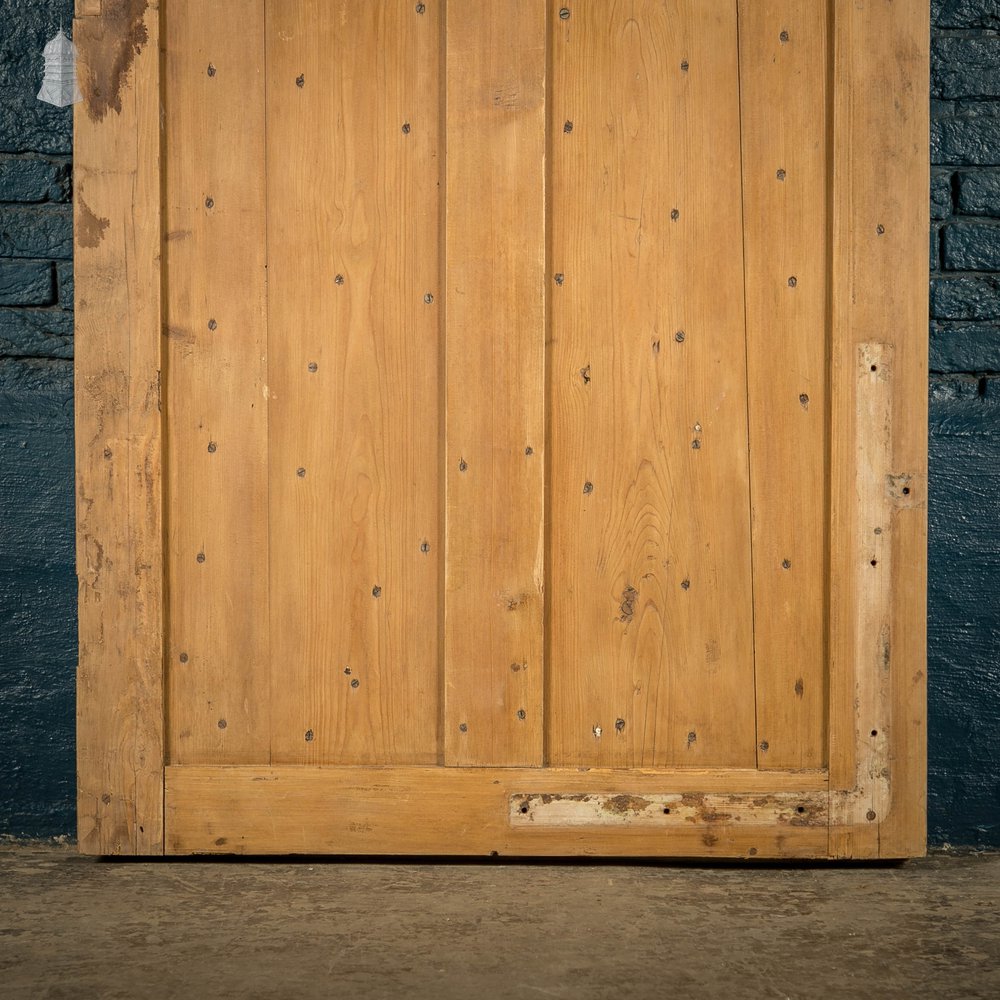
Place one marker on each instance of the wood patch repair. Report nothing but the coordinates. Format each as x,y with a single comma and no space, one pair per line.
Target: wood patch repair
669,810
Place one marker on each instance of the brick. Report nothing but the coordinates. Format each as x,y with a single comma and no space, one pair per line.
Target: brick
25,122
36,231
31,178
971,246
940,196
979,192
26,283
965,14
972,297
970,136
64,273
965,347
965,66
36,333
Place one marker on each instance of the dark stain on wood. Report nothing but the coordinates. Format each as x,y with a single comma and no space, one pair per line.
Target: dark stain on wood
108,45
90,228
622,805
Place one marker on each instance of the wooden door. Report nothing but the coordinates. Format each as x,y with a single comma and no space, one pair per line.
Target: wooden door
501,427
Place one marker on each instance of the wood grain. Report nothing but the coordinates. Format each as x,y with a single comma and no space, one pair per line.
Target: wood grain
494,371
650,639
879,298
785,121
214,383
119,709
354,299
459,810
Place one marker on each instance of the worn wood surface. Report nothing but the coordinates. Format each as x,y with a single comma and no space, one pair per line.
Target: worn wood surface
353,320
879,451
784,100
214,384
225,810
650,646
471,477
120,707
494,370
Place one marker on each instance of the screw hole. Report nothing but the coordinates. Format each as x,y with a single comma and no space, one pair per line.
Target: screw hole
800,810
666,810
874,732
874,562
874,368
906,491
524,809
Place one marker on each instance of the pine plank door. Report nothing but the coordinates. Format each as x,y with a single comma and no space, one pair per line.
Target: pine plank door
501,428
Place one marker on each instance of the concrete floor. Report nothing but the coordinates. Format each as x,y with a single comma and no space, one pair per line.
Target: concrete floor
80,928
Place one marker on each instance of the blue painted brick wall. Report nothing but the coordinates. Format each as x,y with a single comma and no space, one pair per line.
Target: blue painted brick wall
964,589
37,583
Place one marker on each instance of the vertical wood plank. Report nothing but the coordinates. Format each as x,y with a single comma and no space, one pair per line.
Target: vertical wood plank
214,383
119,558
353,98
651,609
495,450
785,115
878,612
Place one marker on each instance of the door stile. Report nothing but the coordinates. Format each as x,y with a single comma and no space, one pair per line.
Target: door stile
117,220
